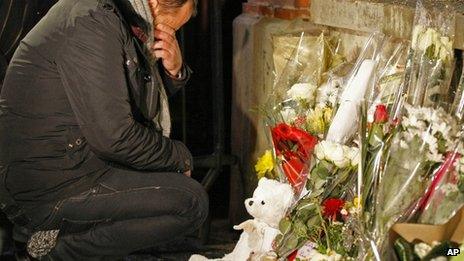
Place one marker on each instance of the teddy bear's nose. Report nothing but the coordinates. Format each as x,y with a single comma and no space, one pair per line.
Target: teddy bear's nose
250,203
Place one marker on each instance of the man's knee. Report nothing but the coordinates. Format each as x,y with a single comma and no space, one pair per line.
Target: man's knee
200,210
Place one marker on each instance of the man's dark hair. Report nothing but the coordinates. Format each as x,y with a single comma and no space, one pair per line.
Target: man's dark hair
170,4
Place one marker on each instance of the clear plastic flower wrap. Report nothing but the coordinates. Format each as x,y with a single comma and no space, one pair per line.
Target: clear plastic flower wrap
458,104
432,54
375,78
445,194
423,137
325,216
321,216
299,110
377,126
406,142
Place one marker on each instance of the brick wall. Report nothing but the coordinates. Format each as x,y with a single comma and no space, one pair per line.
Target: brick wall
283,9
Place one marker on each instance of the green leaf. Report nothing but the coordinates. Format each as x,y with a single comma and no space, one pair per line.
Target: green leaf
321,170
285,226
376,135
300,229
404,250
461,186
314,221
292,241
441,144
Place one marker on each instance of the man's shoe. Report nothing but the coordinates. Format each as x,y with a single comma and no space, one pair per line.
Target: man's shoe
41,243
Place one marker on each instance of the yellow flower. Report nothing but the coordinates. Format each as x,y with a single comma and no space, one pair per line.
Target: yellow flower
319,119
357,202
265,164
328,114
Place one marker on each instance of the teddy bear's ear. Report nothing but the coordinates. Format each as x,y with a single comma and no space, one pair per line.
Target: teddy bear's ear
262,181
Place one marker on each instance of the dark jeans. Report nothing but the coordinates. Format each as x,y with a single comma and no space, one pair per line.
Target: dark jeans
126,211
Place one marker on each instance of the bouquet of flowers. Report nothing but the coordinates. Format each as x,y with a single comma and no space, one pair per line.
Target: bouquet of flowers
321,216
375,78
294,147
423,138
324,217
401,152
432,55
299,109
446,192
378,124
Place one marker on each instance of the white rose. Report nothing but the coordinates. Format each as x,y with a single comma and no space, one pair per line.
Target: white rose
446,47
425,39
303,91
430,37
320,150
354,155
342,163
337,156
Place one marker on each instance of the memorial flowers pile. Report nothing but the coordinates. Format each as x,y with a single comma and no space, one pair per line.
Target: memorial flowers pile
432,54
378,146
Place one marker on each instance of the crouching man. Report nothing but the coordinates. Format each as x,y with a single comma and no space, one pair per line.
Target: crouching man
86,162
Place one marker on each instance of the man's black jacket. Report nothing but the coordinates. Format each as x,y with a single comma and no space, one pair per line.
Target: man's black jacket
79,93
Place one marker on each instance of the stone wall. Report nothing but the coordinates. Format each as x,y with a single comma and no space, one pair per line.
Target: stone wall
282,9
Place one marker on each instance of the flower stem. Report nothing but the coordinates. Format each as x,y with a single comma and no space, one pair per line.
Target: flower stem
324,227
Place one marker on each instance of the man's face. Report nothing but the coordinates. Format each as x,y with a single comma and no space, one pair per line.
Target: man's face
174,18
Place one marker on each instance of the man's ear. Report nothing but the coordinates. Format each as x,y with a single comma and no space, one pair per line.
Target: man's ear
154,6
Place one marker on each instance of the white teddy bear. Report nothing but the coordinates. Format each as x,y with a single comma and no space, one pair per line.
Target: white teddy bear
268,206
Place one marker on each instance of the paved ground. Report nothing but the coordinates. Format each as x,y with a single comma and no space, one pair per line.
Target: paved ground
221,241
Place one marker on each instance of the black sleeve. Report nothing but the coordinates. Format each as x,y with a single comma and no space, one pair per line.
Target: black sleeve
91,67
173,85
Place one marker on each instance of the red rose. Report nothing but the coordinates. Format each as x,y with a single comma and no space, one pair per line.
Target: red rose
331,207
296,147
285,136
381,114
279,136
305,142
